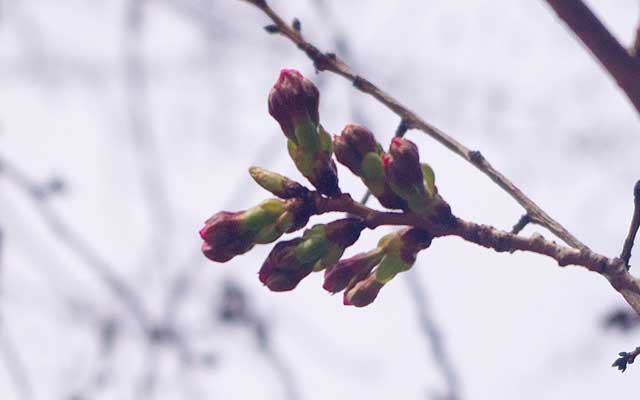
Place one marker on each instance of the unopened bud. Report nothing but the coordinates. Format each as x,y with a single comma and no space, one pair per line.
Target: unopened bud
404,174
353,144
362,293
228,234
344,232
277,184
357,149
283,269
338,277
225,237
293,101
401,249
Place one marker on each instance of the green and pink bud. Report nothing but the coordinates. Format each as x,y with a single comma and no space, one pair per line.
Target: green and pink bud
399,251
283,269
339,276
363,293
293,102
406,176
357,149
228,234
319,247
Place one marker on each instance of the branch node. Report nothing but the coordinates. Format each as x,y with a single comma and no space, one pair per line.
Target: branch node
272,28
296,25
476,157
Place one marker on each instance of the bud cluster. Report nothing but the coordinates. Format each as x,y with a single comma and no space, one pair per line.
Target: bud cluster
396,178
293,102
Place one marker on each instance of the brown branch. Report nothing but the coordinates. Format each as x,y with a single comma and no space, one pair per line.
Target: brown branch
633,228
613,269
624,68
330,62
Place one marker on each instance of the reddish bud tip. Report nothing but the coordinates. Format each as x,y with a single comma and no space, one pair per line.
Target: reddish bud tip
386,159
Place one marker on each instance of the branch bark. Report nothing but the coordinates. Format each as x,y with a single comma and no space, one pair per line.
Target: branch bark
330,62
613,269
623,68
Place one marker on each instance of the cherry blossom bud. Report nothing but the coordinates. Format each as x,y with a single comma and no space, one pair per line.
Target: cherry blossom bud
353,144
363,292
228,234
225,236
401,249
277,184
338,277
283,269
357,149
405,175
293,101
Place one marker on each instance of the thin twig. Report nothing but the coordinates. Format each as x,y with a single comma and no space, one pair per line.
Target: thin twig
622,67
633,228
625,359
330,62
433,335
102,269
521,224
16,369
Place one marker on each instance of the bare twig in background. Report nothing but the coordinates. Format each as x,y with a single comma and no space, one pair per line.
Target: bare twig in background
521,224
63,233
621,319
13,363
622,67
147,154
234,308
434,338
330,62
633,228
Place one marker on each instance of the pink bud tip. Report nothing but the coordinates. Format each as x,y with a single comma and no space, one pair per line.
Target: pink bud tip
386,159
289,73
395,142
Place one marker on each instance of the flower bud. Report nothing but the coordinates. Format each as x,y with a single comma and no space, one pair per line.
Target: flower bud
405,174
283,269
353,144
316,164
357,149
228,234
277,184
294,101
319,247
338,277
363,292
401,249
225,237
344,232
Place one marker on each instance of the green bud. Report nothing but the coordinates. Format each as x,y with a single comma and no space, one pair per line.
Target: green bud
277,184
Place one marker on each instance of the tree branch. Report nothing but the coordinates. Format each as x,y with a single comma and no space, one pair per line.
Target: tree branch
624,68
330,62
633,228
613,269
